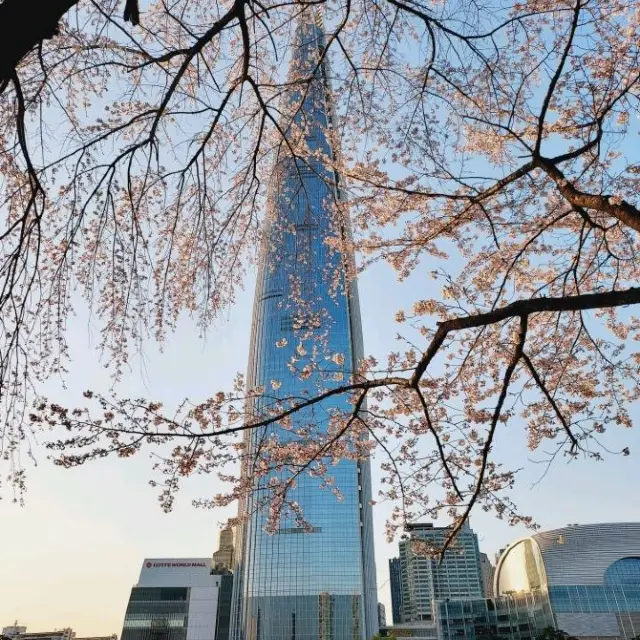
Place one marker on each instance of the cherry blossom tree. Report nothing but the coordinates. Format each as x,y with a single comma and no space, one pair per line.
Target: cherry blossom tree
499,136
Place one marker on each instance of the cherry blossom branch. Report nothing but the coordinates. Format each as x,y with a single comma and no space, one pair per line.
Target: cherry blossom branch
613,205
441,451
556,76
326,447
236,12
523,308
543,387
511,367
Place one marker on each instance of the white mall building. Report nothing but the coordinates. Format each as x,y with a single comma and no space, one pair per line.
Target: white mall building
174,599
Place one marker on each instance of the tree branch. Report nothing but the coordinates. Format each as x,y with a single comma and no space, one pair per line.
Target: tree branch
617,207
486,450
24,24
520,308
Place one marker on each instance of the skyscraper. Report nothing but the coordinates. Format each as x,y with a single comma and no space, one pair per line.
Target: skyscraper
297,584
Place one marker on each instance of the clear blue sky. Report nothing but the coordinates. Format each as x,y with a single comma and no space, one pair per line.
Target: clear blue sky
70,556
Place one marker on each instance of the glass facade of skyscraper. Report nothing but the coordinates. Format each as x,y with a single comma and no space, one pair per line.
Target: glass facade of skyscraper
296,583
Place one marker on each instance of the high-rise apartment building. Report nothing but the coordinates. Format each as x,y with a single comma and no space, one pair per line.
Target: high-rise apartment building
425,579
297,584
395,582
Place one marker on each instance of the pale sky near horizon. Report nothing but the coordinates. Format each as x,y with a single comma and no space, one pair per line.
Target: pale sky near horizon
70,556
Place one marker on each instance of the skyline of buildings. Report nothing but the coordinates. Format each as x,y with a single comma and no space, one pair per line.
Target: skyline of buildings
581,579
318,580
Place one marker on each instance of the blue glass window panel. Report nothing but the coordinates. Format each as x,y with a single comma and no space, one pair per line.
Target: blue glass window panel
625,571
595,598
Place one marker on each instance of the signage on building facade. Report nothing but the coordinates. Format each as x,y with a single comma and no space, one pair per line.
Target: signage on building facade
166,565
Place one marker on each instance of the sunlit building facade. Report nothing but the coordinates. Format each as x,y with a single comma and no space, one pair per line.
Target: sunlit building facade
591,574
301,582
223,558
425,579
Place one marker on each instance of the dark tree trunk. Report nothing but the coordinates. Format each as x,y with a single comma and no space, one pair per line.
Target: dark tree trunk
23,25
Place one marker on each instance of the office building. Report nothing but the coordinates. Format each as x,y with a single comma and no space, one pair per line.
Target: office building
222,562
514,617
175,599
225,599
488,572
382,615
425,578
316,581
223,558
591,574
395,582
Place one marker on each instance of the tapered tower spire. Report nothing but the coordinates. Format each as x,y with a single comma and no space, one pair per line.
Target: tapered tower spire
311,580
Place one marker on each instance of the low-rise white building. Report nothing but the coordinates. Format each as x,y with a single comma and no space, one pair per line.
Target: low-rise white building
16,632
415,630
175,599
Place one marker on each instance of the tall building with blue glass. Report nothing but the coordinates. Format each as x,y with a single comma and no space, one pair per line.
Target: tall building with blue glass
297,584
